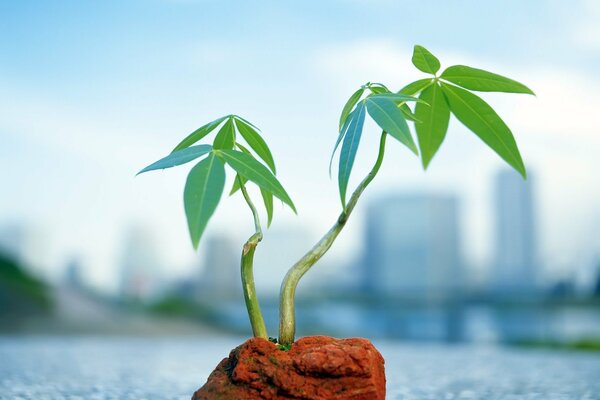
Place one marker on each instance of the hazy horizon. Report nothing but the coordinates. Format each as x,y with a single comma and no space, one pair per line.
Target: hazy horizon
91,93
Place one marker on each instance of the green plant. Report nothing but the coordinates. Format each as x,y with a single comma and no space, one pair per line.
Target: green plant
438,96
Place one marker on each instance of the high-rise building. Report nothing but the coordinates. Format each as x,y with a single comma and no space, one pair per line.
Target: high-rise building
140,265
514,264
412,247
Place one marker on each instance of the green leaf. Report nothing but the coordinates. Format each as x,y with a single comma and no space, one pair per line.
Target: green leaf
254,171
433,125
480,118
414,88
424,60
268,200
379,89
256,142
340,137
179,157
225,139
407,112
199,133
246,121
349,106
243,148
482,81
349,148
389,118
236,184
202,193
396,97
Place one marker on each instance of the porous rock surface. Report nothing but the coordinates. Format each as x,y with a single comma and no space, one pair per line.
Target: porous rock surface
315,368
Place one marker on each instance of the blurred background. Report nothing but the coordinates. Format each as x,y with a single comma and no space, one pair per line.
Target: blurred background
91,92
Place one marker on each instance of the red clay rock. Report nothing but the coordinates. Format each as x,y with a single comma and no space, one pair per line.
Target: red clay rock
315,368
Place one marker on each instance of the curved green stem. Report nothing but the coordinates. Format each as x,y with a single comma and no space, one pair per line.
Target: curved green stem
287,314
256,319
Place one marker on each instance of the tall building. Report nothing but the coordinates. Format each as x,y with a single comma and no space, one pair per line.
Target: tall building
140,265
515,264
412,247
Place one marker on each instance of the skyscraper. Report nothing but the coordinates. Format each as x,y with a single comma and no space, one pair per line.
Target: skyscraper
412,246
515,264
140,264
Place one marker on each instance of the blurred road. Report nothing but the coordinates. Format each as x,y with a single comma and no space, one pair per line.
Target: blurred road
172,368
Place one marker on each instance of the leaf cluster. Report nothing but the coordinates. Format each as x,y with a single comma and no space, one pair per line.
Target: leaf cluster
251,162
435,99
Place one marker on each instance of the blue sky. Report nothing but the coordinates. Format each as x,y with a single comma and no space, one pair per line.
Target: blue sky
92,91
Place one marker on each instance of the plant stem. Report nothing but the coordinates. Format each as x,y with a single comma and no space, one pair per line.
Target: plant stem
256,318
287,314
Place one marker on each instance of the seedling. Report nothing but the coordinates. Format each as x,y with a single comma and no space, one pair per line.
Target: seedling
433,98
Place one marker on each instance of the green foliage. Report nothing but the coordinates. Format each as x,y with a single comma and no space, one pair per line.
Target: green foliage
349,147
225,139
268,201
203,190
480,118
206,180
449,93
439,96
424,60
200,133
387,109
482,81
21,294
415,87
433,121
349,106
390,118
179,157
248,167
256,142
284,347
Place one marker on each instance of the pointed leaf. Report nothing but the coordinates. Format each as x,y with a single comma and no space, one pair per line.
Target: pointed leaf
349,148
202,193
433,125
417,86
268,200
254,171
480,118
396,97
243,148
340,137
225,139
199,133
424,60
379,89
247,122
482,81
349,106
179,157
407,112
236,184
256,142
389,117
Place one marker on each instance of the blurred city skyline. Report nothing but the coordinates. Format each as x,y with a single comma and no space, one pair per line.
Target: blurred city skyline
93,92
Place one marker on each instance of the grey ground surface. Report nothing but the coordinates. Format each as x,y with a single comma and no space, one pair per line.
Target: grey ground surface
172,368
